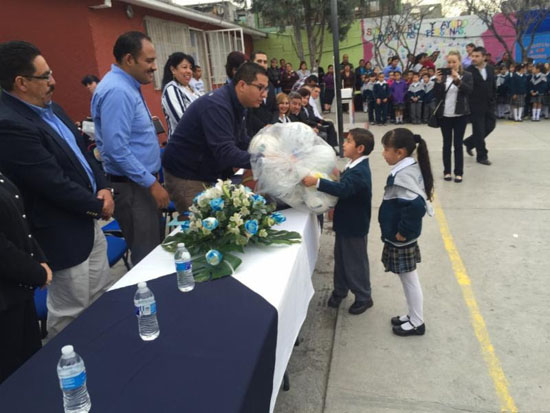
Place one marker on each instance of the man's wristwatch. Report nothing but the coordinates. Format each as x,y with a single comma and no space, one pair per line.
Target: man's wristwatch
112,191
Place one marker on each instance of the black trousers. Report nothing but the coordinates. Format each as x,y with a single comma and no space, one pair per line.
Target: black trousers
351,267
453,129
482,125
20,336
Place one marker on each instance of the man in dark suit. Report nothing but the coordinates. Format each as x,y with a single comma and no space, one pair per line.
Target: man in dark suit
64,192
482,105
257,118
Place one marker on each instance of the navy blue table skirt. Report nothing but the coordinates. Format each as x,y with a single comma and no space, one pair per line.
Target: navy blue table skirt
215,354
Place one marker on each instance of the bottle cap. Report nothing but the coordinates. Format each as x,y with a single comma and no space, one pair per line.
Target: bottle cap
67,350
181,245
142,285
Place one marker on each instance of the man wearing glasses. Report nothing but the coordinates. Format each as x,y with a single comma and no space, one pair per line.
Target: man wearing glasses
211,139
64,192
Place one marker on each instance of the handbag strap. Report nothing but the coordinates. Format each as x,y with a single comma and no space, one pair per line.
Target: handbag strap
441,101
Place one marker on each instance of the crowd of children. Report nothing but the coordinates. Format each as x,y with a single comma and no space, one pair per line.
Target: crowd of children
523,90
406,97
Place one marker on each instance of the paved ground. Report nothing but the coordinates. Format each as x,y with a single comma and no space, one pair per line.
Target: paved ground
487,340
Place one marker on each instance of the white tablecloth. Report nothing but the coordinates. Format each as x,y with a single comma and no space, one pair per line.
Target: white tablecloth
280,274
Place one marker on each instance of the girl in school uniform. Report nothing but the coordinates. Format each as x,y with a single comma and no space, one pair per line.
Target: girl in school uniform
537,89
518,90
409,188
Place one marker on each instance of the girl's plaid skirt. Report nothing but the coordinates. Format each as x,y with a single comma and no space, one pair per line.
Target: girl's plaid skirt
400,260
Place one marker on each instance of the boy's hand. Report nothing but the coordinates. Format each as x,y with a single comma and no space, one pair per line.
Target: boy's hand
377,101
310,180
400,237
385,100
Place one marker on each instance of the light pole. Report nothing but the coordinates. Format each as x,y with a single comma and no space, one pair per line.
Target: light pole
337,77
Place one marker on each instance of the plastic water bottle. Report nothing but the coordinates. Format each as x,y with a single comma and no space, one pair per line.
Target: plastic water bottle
186,282
146,311
72,380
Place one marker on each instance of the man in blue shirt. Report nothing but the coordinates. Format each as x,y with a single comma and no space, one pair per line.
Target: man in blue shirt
128,143
64,192
211,138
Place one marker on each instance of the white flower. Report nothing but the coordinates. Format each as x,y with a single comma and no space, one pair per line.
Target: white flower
203,201
233,230
237,219
262,233
245,202
245,211
237,202
212,193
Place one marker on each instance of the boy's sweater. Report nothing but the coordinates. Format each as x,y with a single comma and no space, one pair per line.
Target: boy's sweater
367,90
428,91
404,205
416,90
381,90
354,191
398,91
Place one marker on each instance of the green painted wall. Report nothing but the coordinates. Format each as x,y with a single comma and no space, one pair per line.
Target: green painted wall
279,45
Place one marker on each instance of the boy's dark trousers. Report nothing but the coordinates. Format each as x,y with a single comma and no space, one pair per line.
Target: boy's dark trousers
380,111
351,267
482,125
370,108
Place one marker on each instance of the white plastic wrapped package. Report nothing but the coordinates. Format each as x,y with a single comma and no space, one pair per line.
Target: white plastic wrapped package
288,152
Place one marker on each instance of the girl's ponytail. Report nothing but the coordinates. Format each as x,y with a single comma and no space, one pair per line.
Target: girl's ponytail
425,166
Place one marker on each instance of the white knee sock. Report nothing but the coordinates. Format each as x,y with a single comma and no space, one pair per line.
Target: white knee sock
520,116
538,113
415,298
516,114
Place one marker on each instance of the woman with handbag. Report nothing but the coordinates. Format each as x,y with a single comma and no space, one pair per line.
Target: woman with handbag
452,87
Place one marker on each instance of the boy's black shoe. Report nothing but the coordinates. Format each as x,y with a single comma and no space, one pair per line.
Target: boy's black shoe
359,307
484,161
469,151
334,301
416,331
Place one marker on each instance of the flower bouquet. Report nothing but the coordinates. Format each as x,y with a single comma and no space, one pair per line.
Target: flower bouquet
223,219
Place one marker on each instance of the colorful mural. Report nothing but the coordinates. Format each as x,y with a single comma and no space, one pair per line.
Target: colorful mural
443,35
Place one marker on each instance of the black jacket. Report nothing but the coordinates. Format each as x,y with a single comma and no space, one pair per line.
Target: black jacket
20,255
257,118
462,100
303,117
484,98
59,200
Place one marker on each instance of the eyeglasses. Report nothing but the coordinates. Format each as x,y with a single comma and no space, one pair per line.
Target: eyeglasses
261,88
48,76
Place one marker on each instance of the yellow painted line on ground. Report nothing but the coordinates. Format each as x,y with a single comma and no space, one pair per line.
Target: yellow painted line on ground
507,404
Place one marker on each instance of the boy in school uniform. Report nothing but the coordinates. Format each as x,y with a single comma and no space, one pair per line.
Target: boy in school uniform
351,222
537,89
502,92
429,100
368,95
381,93
415,97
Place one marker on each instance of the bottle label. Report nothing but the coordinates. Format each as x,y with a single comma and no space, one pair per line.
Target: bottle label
147,309
72,383
183,266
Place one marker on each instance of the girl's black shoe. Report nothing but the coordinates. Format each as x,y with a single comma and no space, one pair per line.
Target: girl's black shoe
396,321
416,331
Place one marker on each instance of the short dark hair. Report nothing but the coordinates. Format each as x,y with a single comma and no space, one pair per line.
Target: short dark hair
363,137
129,42
248,72
481,50
234,60
89,79
16,59
394,58
173,61
256,52
471,45
304,92
312,78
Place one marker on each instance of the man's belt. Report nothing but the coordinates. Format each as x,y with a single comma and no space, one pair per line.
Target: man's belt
124,179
